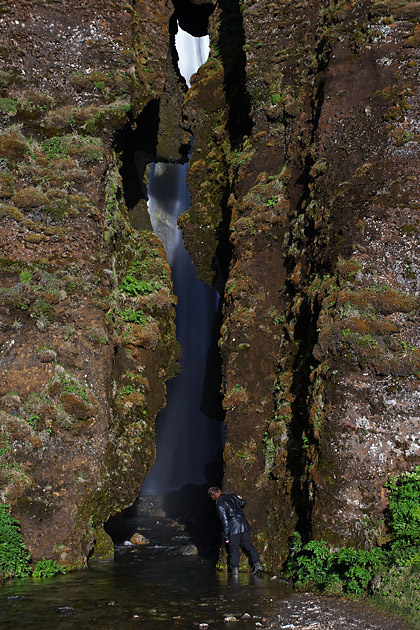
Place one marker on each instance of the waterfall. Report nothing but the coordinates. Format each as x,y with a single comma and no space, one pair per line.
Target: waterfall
192,53
187,440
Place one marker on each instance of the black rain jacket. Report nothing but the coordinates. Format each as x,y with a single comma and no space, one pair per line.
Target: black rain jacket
229,508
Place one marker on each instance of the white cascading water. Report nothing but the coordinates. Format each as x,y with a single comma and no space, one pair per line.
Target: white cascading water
192,53
187,440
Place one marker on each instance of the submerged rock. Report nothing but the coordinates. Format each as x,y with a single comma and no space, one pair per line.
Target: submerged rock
188,550
139,539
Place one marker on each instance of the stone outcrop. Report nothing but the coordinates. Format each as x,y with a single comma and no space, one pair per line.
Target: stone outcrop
304,188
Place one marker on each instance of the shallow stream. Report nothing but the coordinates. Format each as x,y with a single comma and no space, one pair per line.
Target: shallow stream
154,587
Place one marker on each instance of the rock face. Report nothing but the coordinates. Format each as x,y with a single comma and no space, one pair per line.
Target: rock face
304,191
87,335
305,159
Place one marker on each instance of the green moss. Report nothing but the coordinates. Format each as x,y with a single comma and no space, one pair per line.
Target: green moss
86,149
8,106
72,385
98,335
104,548
60,402
25,275
68,331
135,317
130,285
139,279
33,421
126,390
43,313
53,148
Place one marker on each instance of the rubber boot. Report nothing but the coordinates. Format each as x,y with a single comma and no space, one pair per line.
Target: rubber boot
257,568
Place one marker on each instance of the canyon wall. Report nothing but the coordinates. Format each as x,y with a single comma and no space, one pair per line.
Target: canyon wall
305,121
304,189
87,334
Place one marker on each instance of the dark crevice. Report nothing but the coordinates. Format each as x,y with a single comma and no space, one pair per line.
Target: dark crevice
224,250
302,444
301,436
230,46
136,144
193,18
211,400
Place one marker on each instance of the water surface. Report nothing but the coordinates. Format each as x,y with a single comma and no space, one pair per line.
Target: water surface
155,587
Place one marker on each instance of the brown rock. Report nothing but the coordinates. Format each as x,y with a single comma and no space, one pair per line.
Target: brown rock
146,336
47,356
139,539
76,406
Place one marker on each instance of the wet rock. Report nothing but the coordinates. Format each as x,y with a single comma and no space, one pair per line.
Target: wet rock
157,513
65,609
230,618
188,550
139,539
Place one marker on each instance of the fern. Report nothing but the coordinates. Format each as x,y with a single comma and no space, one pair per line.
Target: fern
14,556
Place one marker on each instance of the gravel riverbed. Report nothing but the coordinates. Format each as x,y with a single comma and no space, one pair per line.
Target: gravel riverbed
312,612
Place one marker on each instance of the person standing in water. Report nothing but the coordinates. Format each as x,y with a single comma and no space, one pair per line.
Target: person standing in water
235,529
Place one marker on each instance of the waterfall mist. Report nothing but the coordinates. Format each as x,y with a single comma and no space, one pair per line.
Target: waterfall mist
189,433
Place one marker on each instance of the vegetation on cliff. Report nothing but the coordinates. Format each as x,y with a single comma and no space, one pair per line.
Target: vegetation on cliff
304,167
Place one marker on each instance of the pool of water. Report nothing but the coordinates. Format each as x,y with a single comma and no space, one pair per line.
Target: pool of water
153,587
149,586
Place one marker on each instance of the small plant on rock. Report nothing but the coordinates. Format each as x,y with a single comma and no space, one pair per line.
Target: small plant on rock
47,568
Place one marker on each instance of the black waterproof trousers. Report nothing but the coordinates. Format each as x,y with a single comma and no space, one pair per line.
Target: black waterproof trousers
243,539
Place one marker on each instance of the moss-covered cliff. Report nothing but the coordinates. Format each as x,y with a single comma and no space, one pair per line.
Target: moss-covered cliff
87,331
